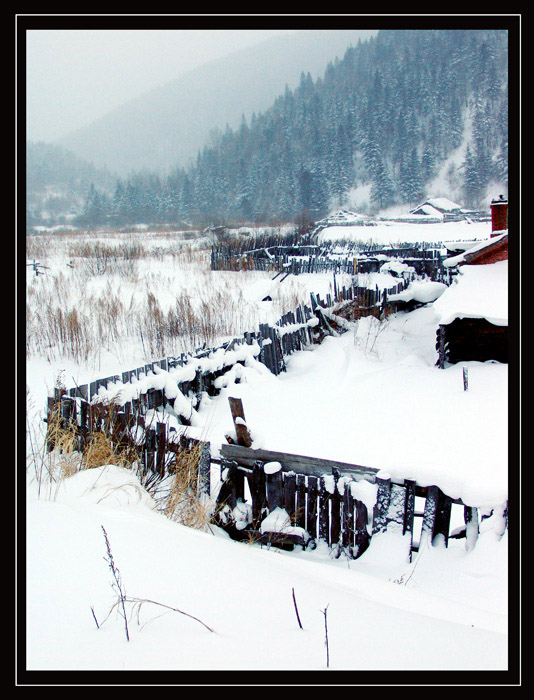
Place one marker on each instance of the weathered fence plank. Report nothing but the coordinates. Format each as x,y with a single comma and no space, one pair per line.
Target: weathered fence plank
258,493
335,512
311,515
361,535
299,463
300,507
238,416
274,485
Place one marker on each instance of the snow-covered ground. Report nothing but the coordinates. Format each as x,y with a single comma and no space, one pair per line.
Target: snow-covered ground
371,396
386,232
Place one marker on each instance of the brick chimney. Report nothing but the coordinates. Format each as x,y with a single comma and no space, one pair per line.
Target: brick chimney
499,216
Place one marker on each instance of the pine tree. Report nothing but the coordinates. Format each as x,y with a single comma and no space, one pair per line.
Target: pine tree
472,185
382,189
410,181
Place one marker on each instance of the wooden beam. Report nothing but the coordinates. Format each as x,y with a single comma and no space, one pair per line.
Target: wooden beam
301,464
238,415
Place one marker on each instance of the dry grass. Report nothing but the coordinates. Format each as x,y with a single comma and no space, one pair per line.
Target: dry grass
104,292
184,503
61,457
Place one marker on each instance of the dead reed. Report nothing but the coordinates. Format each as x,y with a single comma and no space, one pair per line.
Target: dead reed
185,503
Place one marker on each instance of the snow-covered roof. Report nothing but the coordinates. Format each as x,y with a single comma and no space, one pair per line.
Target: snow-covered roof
436,207
344,216
452,262
460,245
427,210
443,204
479,291
422,292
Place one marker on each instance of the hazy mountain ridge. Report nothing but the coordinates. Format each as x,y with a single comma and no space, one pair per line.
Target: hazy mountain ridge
166,126
58,182
404,115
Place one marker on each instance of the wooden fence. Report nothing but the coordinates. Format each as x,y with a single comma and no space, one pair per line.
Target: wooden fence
312,259
321,502
319,496
135,392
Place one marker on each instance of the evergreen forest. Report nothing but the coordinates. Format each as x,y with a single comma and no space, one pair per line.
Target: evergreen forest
380,124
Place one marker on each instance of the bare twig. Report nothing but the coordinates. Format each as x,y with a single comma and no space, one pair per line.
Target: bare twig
118,582
139,602
94,616
326,637
296,609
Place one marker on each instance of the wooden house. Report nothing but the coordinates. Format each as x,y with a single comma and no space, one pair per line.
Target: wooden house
439,208
473,311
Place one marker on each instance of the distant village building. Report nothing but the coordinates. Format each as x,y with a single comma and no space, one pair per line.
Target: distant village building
473,311
444,210
439,208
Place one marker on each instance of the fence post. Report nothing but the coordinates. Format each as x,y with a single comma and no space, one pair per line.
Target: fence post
382,504
348,517
238,416
409,510
289,492
300,513
362,537
311,524
204,469
324,530
273,480
161,444
429,515
471,527
335,512
258,493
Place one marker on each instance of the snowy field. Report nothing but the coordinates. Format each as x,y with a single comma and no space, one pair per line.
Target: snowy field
371,396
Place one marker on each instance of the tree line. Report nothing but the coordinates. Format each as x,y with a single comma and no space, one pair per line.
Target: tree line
384,118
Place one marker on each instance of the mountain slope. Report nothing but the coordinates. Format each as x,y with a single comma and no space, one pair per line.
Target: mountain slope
166,126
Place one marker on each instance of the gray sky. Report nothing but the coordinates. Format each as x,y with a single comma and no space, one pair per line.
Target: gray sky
75,76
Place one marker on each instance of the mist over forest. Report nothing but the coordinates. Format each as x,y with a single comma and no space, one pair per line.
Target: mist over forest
292,127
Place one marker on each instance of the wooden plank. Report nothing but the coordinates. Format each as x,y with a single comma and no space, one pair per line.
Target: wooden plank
429,516
83,418
149,449
300,513
442,520
382,504
238,416
204,468
299,463
258,493
347,536
361,533
471,527
409,511
335,513
290,490
274,486
324,514
161,444
311,514
227,492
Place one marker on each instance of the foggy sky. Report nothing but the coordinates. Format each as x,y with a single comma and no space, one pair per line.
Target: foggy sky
75,76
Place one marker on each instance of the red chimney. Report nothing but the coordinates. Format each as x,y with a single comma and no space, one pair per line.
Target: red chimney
499,216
